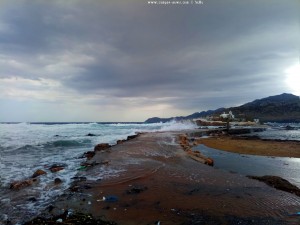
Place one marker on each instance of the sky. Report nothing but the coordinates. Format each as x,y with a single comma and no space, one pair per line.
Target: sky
128,60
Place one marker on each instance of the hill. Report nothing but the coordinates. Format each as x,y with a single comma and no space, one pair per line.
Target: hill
278,108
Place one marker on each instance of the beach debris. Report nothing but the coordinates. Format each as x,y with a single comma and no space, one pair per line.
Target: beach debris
59,220
157,223
17,185
89,202
81,168
109,198
278,183
69,212
102,146
136,190
37,173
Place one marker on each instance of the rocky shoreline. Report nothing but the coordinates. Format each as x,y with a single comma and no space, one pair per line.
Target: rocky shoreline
167,185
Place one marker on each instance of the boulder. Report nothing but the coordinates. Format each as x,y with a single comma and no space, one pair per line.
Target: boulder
89,154
131,137
55,168
120,142
183,141
57,181
37,173
278,183
101,147
17,185
209,161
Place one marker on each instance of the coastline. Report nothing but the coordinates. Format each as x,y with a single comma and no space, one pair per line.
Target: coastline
240,145
161,183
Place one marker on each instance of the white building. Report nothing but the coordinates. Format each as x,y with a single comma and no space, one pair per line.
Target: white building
227,115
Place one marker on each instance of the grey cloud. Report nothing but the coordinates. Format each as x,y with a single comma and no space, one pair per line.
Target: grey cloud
196,54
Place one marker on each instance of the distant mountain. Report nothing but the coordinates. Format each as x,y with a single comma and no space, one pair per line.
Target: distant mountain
192,116
278,108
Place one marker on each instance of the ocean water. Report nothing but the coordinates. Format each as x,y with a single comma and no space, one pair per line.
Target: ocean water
26,147
280,131
285,167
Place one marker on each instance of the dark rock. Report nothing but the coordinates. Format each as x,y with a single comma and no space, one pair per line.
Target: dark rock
79,178
288,127
209,161
17,185
57,181
32,199
278,183
75,188
91,135
89,154
136,190
130,137
55,168
50,208
102,146
79,188
120,141
38,173
86,164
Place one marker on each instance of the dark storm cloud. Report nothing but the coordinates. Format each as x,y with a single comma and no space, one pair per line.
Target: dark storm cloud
222,51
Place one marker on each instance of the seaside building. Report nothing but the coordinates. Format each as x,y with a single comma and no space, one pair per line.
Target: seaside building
227,115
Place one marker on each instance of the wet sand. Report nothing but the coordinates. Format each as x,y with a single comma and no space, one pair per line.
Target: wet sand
159,182
253,147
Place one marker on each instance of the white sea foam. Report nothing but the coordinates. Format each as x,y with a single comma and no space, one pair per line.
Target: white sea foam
26,147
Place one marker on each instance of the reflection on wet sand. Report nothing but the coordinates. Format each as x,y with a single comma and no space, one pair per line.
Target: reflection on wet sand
176,189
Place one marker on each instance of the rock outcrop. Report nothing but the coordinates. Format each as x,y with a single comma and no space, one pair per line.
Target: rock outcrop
102,146
37,173
196,155
17,185
278,183
55,168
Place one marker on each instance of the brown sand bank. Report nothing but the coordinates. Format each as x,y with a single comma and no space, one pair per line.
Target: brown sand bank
253,147
158,183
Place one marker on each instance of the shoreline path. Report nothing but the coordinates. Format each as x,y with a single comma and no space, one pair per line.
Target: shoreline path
158,183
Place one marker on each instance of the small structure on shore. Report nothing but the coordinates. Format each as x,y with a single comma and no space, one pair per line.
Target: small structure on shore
227,115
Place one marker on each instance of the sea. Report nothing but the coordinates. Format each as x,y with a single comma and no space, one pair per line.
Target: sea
27,147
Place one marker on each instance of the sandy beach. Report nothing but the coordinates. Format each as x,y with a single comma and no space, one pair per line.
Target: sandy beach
253,147
161,184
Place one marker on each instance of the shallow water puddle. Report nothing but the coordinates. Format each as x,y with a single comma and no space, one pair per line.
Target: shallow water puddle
285,167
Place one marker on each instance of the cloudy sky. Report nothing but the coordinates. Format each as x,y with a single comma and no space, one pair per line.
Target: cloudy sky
127,60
